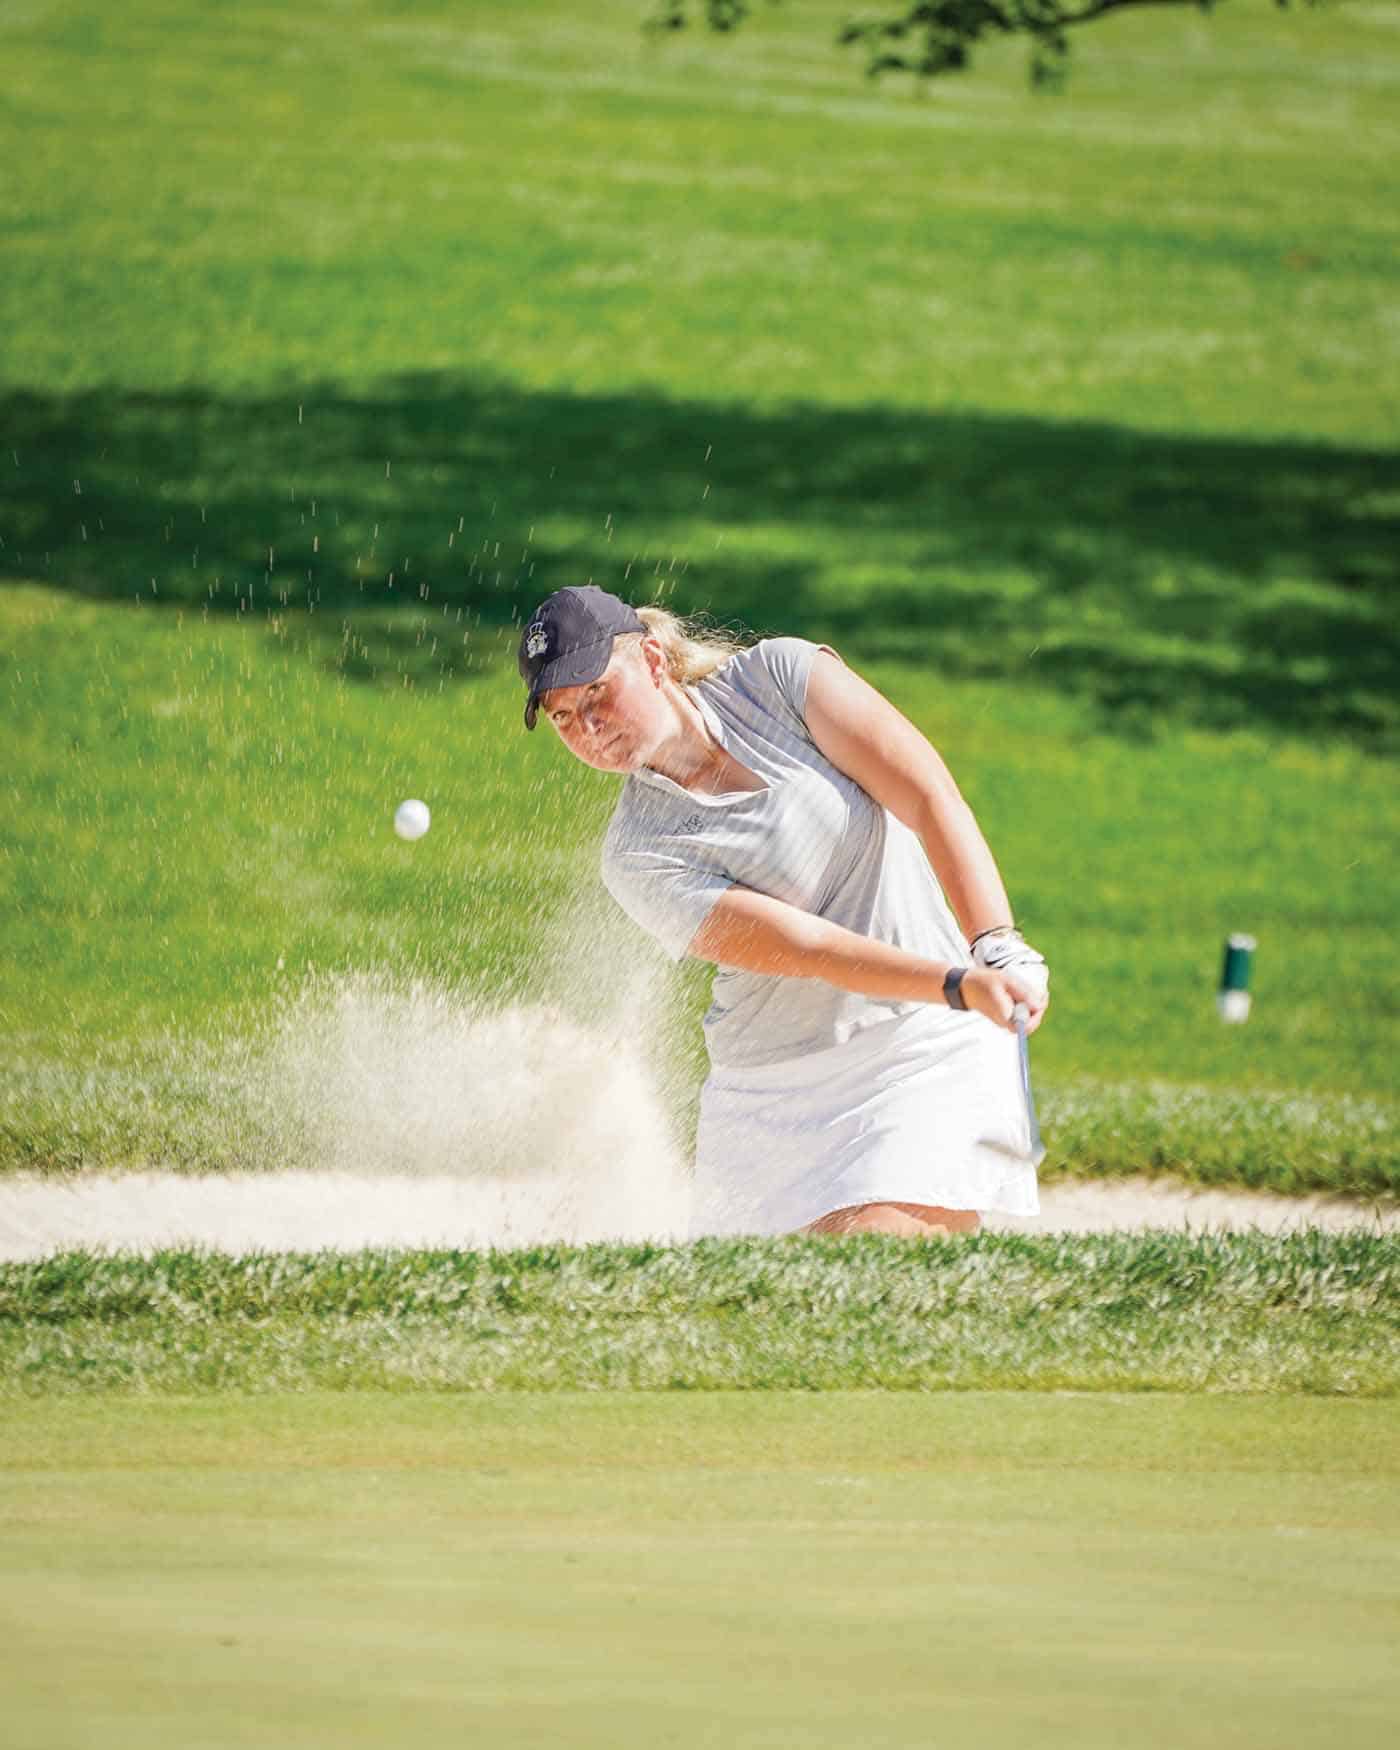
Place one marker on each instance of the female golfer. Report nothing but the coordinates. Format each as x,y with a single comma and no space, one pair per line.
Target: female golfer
781,819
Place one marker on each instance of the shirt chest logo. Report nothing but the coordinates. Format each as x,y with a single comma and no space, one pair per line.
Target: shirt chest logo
692,823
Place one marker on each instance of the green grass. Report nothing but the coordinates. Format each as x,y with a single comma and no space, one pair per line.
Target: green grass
1305,1313
1200,237
334,337
731,1570
331,338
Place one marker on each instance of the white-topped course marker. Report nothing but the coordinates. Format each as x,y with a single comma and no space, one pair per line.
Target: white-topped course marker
1232,999
412,819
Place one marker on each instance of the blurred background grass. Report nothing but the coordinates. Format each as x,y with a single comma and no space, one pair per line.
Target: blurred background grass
332,338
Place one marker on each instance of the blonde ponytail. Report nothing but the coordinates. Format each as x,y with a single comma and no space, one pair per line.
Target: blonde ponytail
693,649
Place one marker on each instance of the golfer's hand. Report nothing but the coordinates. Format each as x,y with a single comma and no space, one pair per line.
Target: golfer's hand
996,994
1007,950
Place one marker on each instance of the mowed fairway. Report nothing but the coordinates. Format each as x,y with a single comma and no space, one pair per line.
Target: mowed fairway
726,1570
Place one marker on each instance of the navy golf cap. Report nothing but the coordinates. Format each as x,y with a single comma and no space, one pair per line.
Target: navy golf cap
569,640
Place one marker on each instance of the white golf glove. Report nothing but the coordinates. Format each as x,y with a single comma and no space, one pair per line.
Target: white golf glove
1006,950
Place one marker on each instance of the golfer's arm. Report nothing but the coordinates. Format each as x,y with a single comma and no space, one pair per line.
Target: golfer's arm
756,933
864,736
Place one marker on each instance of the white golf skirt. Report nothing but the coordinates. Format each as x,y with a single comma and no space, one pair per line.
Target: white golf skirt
923,1108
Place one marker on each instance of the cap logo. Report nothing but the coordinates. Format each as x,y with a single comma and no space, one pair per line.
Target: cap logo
536,640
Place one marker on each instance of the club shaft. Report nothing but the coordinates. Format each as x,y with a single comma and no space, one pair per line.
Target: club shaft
1024,1054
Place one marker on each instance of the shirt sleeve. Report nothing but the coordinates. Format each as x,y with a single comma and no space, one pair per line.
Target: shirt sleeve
666,896
779,669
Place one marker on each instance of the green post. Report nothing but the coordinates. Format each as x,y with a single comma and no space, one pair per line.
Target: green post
1233,1000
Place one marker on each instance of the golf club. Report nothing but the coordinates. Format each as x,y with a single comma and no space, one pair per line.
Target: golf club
1019,1016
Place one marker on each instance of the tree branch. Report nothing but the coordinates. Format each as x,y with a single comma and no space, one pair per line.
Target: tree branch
942,34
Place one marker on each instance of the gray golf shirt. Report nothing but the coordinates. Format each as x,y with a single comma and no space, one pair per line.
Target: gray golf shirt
812,837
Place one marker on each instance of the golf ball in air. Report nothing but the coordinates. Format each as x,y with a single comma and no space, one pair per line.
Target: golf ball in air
411,819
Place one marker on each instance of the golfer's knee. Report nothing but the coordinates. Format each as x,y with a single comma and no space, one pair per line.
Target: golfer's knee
951,1221
906,1220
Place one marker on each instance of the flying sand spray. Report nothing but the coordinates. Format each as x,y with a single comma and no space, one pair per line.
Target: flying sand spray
538,1120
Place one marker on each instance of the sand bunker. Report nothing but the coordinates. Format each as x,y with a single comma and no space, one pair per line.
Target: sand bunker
304,1211
408,1115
